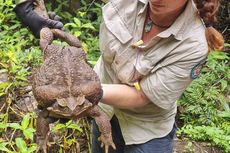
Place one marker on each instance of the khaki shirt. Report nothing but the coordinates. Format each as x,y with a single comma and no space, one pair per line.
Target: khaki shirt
165,64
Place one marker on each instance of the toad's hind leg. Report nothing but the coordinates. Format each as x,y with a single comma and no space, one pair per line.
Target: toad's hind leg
104,126
42,130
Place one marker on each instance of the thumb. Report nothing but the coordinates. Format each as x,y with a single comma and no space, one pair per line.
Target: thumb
54,24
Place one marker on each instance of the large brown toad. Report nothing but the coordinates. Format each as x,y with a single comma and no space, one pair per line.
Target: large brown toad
65,86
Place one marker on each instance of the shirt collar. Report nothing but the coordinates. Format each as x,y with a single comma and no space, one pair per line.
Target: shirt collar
177,29
144,1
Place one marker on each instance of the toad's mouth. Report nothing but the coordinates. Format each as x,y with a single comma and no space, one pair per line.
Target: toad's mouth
60,110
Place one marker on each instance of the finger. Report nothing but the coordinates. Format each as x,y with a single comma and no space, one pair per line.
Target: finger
54,24
54,16
57,18
51,14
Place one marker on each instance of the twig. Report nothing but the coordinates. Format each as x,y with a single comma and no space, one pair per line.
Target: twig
226,28
10,143
11,138
198,146
90,5
2,107
20,113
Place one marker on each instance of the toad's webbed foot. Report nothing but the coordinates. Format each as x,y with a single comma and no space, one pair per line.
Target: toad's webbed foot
106,141
104,126
42,148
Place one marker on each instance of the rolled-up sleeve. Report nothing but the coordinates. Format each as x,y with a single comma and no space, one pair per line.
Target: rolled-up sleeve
166,85
170,77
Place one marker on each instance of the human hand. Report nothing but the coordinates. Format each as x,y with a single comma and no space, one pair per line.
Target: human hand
35,22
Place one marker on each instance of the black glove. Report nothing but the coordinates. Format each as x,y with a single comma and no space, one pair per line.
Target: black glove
54,16
27,15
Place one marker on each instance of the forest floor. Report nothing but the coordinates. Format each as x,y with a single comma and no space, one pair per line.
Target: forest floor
186,146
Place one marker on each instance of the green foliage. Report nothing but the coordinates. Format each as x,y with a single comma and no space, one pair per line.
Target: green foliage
18,143
83,23
206,96
22,146
19,54
204,106
217,135
68,136
68,125
69,139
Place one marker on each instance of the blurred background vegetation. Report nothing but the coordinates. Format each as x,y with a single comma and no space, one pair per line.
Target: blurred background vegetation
203,110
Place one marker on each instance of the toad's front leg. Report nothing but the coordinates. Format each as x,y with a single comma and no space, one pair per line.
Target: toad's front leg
104,125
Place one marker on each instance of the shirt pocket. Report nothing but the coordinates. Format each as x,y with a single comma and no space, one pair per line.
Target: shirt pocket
113,32
124,69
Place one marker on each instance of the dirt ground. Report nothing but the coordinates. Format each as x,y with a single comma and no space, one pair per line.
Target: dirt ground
187,146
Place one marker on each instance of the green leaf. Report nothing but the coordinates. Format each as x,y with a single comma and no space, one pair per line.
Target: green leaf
21,144
4,148
77,33
3,126
225,114
68,123
85,47
2,93
92,62
21,78
4,85
8,2
81,13
227,45
70,25
74,126
228,74
77,22
70,141
224,84
88,26
14,125
218,55
29,133
58,127
25,121
2,116
32,148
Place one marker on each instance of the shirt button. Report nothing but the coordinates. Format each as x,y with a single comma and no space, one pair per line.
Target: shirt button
116,62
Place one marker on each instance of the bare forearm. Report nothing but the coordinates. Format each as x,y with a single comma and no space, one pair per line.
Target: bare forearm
123,96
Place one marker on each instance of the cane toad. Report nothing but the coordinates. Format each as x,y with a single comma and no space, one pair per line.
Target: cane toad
65,86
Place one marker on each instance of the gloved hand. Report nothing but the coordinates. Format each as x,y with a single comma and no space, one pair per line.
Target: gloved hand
27,15
54,16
